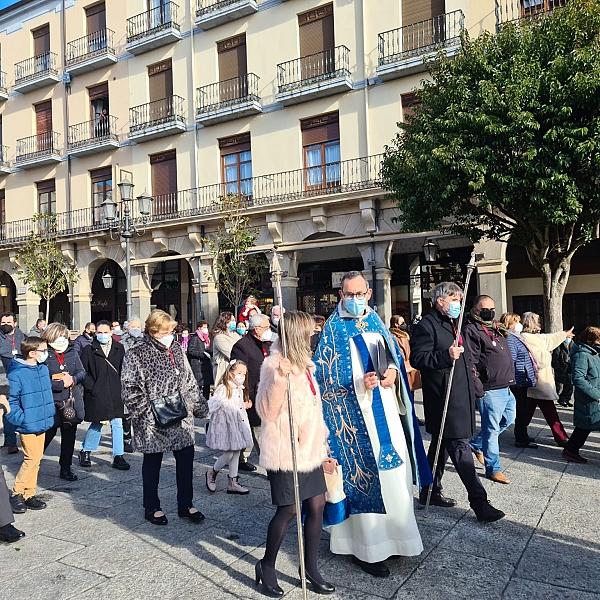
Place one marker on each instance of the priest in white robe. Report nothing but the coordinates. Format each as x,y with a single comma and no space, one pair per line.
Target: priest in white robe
374,433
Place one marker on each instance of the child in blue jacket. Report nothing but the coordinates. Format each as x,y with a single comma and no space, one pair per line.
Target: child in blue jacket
32,413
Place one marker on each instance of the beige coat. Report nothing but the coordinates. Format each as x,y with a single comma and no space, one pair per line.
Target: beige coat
272,407
541,345
221,352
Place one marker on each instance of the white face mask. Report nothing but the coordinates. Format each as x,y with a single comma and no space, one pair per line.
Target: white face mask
167,340
266,335
136,332
518,327
60,344
239,379
204,330
275,321
41,358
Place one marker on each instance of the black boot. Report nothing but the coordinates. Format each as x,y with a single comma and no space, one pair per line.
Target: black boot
68,474
10,534
486,513
18,504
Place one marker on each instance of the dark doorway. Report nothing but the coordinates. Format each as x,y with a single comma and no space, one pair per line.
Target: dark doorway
109,303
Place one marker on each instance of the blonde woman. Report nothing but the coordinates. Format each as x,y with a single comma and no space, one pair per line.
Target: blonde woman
276,455
154,369
544,393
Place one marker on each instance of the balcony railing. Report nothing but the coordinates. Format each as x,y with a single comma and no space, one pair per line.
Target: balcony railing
308,70
228,93
420,38
159,112
89,46
515,10
264,190
37,146
92,132
204,7
152,21
37,66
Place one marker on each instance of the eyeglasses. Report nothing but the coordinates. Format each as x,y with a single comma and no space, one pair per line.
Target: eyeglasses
358,295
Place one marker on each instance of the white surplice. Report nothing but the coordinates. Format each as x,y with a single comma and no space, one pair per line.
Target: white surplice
374,537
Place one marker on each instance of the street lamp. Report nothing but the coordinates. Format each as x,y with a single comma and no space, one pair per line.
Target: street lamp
4,290
431,250
107,278
122,225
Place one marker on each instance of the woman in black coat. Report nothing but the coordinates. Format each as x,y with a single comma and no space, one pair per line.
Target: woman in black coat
103,361
67,374
200,358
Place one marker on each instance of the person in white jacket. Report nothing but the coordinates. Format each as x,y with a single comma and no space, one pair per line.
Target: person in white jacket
543,395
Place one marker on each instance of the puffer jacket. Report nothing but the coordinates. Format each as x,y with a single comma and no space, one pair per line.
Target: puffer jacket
524,369
585,363
31,402
272,407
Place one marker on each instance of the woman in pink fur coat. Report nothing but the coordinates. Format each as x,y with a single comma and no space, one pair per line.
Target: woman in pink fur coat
276,453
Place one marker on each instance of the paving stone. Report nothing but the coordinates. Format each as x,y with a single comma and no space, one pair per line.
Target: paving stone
524,589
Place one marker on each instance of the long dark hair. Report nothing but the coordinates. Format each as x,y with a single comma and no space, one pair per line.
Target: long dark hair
221,323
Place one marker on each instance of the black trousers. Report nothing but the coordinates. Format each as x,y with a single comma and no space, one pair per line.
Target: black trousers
566,393
577,440
68,434
521,415
6,513
459,452
184,464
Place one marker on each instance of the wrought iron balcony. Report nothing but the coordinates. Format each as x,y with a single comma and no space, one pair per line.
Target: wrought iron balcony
3,88
91,51
289,187
212,13
401,50
4,164
314,76
36,72
152,29
229,99
93,136
37,150
157,119
515,10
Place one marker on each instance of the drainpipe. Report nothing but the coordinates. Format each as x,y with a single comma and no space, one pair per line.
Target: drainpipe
366,78
373,258
193,94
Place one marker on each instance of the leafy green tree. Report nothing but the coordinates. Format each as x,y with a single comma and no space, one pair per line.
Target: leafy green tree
45,270
235,267
505,143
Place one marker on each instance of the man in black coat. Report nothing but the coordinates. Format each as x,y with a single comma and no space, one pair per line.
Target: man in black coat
432,351
199,356
102,361
252,350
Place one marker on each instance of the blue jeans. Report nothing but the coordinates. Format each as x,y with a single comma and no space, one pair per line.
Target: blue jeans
497,409
10,432
94,433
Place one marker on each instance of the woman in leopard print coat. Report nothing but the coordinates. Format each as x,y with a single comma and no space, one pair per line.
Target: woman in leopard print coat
154,369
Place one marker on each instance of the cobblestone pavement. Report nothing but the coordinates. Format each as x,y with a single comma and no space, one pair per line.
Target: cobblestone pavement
93,543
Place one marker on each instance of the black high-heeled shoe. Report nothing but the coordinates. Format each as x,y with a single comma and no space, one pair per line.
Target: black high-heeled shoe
267,590
319,588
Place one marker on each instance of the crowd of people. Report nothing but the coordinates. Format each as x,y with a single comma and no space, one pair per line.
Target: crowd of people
349,381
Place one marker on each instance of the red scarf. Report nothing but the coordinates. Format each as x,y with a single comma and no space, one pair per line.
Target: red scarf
204,337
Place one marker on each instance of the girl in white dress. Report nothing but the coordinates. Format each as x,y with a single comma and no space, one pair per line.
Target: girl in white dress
229,427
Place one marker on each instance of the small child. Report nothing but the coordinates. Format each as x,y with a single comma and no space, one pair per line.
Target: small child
229,427
32,413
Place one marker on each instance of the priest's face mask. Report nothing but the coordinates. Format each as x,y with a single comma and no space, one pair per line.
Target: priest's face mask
355,295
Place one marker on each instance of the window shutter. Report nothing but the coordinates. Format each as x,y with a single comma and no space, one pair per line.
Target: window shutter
164,182
43,117
320,129
235,144
414,11
160,78
2,206
41,40
98,92
96,18
408,102
46,186
232,57
316,30
103,174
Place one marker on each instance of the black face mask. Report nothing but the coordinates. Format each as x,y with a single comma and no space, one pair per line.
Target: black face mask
6,328
403,327
487,314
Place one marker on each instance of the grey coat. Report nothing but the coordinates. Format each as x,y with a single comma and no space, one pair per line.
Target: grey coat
148,373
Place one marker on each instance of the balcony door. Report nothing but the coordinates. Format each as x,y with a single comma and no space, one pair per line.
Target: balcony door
41,49
46,191
43,126
423,23
317,42
95,20
159,13
321,143
99,111
164,182
233,68
236,165
101,180
160,85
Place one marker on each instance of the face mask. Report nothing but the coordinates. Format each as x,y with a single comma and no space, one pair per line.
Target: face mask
487,314
239,379
568,341
518,327
60,344
185,335
453,310
403,327
204,330
275,321
231,326
241,330
136,332
356,306
6,328
90,334
42,357
266,335
103,338
166,341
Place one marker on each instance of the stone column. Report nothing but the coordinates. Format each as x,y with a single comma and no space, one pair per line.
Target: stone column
491,273
29,309
141,292
377,256
210,294
289,282
82,308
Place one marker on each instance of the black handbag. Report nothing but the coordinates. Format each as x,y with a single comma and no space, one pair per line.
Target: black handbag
169,410
67,410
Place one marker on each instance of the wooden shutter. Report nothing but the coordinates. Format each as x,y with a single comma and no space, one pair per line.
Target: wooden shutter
414,11
164,182
321,129
96,18
2,206
43,117
235,144
41,40
316,30
408,103
103,174
160,76
1,136
46,186
98,92
232,57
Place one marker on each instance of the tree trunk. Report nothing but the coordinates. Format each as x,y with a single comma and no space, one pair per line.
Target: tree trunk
47,310
554,282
